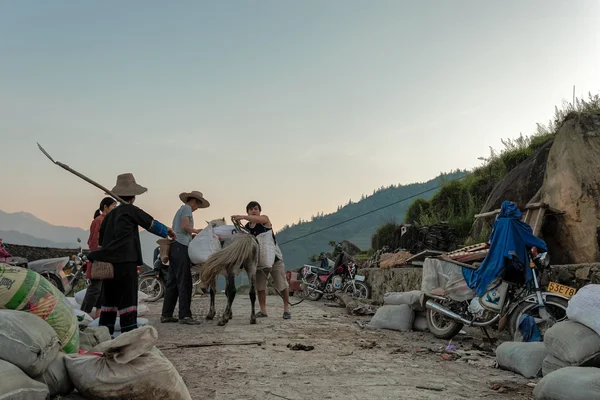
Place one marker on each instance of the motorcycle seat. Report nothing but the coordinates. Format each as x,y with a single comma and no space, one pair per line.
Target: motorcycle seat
321,271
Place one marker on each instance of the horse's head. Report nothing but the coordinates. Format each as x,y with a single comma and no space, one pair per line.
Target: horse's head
217,222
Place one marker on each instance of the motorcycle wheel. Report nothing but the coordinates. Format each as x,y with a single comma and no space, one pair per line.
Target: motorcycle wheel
54,281
310,292
442,327
363,291
556,307
154,288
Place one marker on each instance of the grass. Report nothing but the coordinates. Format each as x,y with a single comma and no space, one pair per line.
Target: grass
457,202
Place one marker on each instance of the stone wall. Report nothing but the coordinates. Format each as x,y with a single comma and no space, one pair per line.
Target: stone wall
38,253
407,279
392,280
574,275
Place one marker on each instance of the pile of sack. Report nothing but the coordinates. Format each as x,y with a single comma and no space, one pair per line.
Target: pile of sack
402,311
27,291
568,358
33,365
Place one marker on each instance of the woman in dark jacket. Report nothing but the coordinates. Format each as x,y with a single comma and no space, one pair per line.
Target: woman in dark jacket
119,241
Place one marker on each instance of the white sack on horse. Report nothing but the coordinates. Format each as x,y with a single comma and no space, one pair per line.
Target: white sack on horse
204,245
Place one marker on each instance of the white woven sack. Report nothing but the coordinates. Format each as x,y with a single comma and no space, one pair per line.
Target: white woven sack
268,250
203,245
584,307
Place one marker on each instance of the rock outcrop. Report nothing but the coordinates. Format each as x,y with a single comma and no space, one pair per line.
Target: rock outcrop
520,185
572,185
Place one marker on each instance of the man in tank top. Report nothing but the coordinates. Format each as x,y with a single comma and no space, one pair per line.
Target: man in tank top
258,224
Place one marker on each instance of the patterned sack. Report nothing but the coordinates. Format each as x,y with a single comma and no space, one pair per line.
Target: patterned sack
22,289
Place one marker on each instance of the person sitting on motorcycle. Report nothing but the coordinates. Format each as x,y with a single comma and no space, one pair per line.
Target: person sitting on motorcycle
324,261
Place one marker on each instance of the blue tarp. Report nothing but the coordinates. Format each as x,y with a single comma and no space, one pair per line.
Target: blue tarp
511,238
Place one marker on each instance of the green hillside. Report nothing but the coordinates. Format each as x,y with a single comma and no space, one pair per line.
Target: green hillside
357,231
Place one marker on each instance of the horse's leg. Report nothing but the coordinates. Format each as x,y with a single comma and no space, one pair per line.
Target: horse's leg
252,279
212,312
230,292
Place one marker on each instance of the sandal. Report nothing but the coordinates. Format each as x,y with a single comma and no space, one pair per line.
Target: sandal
287,315
261,314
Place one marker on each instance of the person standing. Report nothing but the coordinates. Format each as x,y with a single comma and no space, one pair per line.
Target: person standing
179,283
93,293
119,238
258,224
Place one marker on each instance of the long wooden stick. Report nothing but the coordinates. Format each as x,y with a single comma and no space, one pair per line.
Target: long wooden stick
85,178
210,344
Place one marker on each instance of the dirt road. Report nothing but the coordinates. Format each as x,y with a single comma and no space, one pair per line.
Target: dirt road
342,365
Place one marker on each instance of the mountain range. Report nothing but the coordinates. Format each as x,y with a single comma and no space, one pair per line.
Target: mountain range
298,241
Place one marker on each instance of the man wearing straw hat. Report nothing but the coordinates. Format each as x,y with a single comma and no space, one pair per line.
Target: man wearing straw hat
179,282
119,240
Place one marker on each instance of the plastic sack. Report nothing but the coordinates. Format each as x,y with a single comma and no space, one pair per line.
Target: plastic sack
25,290
413,299
521,357
27,342
420,322
130,368
142,309
56,377
573,383
225,232
268,250
397,318
203,245
445,275
551,364
584,307
572,343
16,385
92,336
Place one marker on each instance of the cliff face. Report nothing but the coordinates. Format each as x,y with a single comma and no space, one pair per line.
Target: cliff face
572,185
38,253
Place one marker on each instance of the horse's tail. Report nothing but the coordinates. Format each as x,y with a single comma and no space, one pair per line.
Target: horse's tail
242,251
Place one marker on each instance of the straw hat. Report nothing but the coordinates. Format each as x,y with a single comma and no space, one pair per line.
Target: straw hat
194,194
127,186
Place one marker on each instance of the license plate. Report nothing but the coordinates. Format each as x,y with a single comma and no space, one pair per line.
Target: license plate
359,278
566,291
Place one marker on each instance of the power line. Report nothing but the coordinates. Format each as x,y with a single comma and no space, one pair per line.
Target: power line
368,212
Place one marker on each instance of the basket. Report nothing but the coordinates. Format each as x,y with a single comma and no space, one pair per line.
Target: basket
102,270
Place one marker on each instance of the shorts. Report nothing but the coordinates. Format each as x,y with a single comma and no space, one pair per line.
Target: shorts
277,273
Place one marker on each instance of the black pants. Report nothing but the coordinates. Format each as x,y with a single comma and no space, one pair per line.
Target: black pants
93,296
179,282
120,297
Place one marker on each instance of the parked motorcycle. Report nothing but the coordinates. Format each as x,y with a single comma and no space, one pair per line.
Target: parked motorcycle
152,282
319,282
502,306
63,272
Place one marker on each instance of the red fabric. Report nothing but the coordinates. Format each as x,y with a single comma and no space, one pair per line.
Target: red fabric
93,241
95,233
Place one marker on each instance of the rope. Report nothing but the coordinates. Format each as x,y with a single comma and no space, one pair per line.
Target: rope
368,212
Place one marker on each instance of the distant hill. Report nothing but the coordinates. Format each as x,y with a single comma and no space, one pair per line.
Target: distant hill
26,229
357,231
14,237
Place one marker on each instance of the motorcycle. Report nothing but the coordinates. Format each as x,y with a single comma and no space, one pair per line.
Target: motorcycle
64,272
152,282
319,282
502,306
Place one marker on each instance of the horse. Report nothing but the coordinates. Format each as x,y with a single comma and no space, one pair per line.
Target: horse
241,254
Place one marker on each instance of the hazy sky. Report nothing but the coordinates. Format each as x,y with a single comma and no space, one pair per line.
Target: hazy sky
300,105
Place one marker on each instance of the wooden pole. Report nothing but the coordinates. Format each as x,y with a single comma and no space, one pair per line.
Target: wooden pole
85,178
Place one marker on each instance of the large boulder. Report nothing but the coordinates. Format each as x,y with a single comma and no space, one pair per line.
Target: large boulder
572,185
520,185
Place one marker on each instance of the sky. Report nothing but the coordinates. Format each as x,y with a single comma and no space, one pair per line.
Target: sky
298,105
